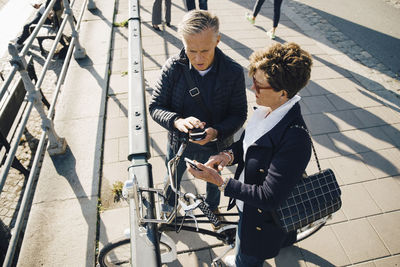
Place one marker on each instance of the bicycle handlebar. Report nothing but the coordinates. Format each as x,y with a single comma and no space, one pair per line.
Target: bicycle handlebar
210,215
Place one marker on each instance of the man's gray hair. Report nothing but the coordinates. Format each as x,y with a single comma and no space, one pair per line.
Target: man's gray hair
197,21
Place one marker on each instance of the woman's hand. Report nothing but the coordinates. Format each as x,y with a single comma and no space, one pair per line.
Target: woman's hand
218,162
207,174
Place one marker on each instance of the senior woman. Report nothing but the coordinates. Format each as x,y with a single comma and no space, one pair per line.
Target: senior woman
271,154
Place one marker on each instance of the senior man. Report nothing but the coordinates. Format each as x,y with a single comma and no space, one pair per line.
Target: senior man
203,88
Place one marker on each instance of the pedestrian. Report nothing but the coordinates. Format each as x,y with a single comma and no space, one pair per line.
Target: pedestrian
190,5
219,87
57,7
271,154
277,15
156,15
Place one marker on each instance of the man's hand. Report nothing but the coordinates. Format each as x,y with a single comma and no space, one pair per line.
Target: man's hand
218,162
207,174
36,6
184,125
211,135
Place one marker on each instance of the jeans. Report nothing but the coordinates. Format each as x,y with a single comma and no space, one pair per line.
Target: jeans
277,10
191,5
194,152
243,260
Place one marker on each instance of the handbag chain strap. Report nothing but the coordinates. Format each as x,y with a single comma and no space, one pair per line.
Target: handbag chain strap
312,143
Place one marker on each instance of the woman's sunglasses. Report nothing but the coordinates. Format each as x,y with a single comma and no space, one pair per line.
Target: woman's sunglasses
258,88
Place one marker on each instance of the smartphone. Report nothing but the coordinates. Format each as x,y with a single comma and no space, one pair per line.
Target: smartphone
197,134
192,164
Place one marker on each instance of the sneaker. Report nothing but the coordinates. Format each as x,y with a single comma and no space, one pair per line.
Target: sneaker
271,35
249,17
230,261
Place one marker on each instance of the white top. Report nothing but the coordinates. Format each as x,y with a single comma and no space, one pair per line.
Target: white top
262,121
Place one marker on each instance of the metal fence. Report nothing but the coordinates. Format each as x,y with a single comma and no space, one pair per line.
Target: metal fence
55,144
145,249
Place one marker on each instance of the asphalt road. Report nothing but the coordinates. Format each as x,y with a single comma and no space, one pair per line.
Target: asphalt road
373,24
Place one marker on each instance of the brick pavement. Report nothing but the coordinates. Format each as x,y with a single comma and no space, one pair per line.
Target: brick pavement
351,107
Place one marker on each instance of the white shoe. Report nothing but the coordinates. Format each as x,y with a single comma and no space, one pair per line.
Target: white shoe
271,35
230,261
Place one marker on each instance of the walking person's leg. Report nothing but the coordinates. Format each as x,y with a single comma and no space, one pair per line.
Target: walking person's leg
203,4
256,10
25,32
277,16
156,15
190,4
168,12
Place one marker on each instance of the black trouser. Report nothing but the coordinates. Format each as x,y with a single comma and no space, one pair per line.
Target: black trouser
191,5
25,32
277,10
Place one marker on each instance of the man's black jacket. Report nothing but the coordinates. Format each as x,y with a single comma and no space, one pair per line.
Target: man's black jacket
229,97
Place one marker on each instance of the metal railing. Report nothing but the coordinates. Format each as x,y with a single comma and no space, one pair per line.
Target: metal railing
146,251
56,145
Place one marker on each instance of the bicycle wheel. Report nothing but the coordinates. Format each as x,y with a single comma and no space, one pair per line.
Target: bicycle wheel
118,253
311,228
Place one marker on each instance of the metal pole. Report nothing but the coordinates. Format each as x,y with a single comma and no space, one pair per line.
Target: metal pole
79,52
146,249
57,145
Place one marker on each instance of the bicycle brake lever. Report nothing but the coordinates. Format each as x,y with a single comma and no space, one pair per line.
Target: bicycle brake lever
189,212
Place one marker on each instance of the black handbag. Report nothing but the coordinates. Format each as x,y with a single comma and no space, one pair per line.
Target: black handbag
314,197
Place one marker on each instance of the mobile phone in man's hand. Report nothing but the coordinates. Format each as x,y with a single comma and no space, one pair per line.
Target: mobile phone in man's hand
192,164
197,134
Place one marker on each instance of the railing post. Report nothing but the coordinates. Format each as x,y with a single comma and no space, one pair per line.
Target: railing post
57,145
91,5
79,52
146,251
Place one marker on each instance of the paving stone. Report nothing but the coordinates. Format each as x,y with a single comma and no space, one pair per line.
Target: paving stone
318,104
387,227
348,142
359,240
318,252
320,124
374,138
197,258
113,224
158,143
47,233
324,72
123,148
350,169
357,202
116,127
118,84
383,163
345,120
366,264
385,193
393,131
314,88
388,261
324,147
370,117
111,150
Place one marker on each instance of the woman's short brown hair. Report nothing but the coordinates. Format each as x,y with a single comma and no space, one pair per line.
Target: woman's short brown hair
286,67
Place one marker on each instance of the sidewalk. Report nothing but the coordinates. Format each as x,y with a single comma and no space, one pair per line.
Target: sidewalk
353,112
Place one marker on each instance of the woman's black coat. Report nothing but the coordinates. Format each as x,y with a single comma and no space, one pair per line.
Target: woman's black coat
273,165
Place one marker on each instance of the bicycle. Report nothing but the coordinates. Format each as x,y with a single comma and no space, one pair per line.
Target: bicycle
117,253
